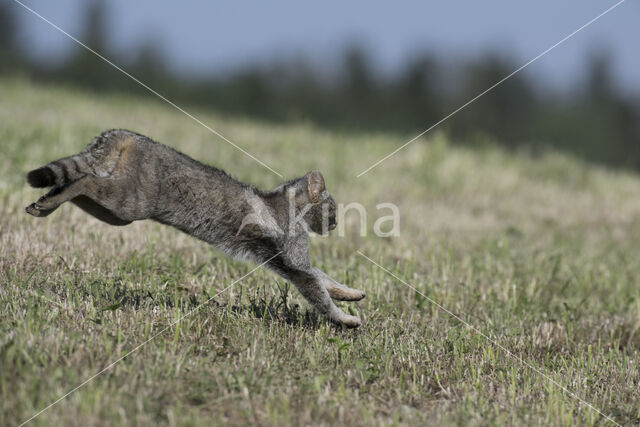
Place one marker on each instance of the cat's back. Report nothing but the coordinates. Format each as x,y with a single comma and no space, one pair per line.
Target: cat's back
113,141
116,152
119,150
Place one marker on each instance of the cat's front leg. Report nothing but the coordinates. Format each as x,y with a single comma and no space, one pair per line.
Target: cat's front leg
311,285
337,290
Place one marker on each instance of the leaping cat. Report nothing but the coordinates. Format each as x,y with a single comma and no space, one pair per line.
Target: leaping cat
122,176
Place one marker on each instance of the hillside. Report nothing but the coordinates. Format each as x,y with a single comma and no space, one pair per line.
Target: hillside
538,252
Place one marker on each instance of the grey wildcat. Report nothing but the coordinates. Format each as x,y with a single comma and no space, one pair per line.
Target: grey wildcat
122,176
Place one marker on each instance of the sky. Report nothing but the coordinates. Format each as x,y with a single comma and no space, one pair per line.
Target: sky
204,37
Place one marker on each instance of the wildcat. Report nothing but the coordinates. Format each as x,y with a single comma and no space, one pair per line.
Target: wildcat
122,176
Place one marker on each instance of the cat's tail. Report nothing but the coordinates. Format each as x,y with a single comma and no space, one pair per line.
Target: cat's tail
59,173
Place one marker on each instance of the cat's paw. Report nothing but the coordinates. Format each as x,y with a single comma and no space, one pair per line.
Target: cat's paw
34,209
343,293
356,295
350,321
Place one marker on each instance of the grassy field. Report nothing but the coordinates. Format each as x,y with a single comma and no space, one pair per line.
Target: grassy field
540,253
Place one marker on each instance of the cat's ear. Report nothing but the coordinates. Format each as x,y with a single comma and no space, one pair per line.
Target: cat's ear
315,185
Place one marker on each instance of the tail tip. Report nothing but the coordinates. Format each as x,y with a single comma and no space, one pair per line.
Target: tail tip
41,177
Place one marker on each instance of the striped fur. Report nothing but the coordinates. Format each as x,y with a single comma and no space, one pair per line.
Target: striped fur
123,177
58,173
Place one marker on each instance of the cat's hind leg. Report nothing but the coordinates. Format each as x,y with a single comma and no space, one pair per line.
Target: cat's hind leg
98,211
61,175
83,193
59,194
337,290
43,206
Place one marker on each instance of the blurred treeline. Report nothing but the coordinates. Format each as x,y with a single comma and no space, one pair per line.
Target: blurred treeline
592,119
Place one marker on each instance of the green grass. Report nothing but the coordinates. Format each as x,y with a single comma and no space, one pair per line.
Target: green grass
539,253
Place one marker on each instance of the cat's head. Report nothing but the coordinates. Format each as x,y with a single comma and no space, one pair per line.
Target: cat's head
313,199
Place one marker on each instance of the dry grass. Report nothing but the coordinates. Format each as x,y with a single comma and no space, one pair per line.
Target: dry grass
540,253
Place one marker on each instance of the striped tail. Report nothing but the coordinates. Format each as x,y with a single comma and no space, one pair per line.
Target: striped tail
58,173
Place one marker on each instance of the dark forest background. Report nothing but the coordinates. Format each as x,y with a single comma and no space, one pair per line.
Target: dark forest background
592,119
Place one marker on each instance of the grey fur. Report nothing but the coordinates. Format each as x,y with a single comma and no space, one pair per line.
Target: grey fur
123,176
